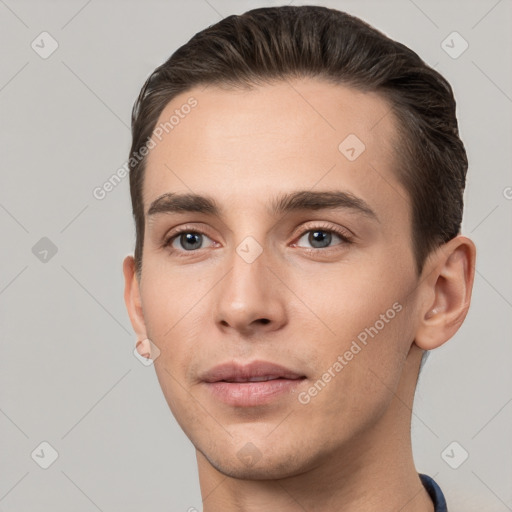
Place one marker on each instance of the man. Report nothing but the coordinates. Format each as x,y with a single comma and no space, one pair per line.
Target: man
297,180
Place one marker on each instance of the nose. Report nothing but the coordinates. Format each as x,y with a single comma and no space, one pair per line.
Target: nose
251,298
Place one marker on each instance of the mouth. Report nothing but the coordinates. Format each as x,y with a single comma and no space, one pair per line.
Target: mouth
256,383
263,378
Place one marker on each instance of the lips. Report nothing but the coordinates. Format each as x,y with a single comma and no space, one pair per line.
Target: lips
256,384
257,371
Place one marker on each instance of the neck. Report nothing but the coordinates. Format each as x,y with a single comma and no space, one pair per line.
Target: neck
374,472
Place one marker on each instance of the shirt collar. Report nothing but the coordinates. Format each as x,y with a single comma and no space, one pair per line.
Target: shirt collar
434,492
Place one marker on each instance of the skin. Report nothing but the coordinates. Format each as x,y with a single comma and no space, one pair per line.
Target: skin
349,448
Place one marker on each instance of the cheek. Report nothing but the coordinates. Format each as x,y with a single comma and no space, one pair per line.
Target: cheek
175,313
172,308
365,329
360,299
357,375
170,297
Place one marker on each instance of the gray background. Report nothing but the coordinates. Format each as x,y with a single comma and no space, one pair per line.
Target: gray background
68,373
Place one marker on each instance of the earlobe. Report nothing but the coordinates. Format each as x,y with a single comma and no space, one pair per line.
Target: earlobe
450,283
144,348
132,298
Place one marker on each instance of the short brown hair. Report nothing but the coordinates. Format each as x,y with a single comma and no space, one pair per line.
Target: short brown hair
268,44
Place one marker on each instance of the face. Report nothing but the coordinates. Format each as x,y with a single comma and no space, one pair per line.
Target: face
283,303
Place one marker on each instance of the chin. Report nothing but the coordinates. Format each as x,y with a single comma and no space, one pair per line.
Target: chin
272,467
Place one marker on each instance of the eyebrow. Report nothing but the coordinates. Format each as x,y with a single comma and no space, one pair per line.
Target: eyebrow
281,204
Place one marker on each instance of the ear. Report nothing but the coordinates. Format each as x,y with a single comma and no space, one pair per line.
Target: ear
134,305
447,287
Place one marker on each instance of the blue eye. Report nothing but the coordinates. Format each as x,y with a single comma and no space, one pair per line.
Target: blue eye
187,240
318,238
322,238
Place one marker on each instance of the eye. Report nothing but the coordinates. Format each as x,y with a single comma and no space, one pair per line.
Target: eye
321,238
186,240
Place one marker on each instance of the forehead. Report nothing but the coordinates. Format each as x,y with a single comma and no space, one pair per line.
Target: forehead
237,144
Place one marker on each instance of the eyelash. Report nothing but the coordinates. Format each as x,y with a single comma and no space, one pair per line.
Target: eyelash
343,235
